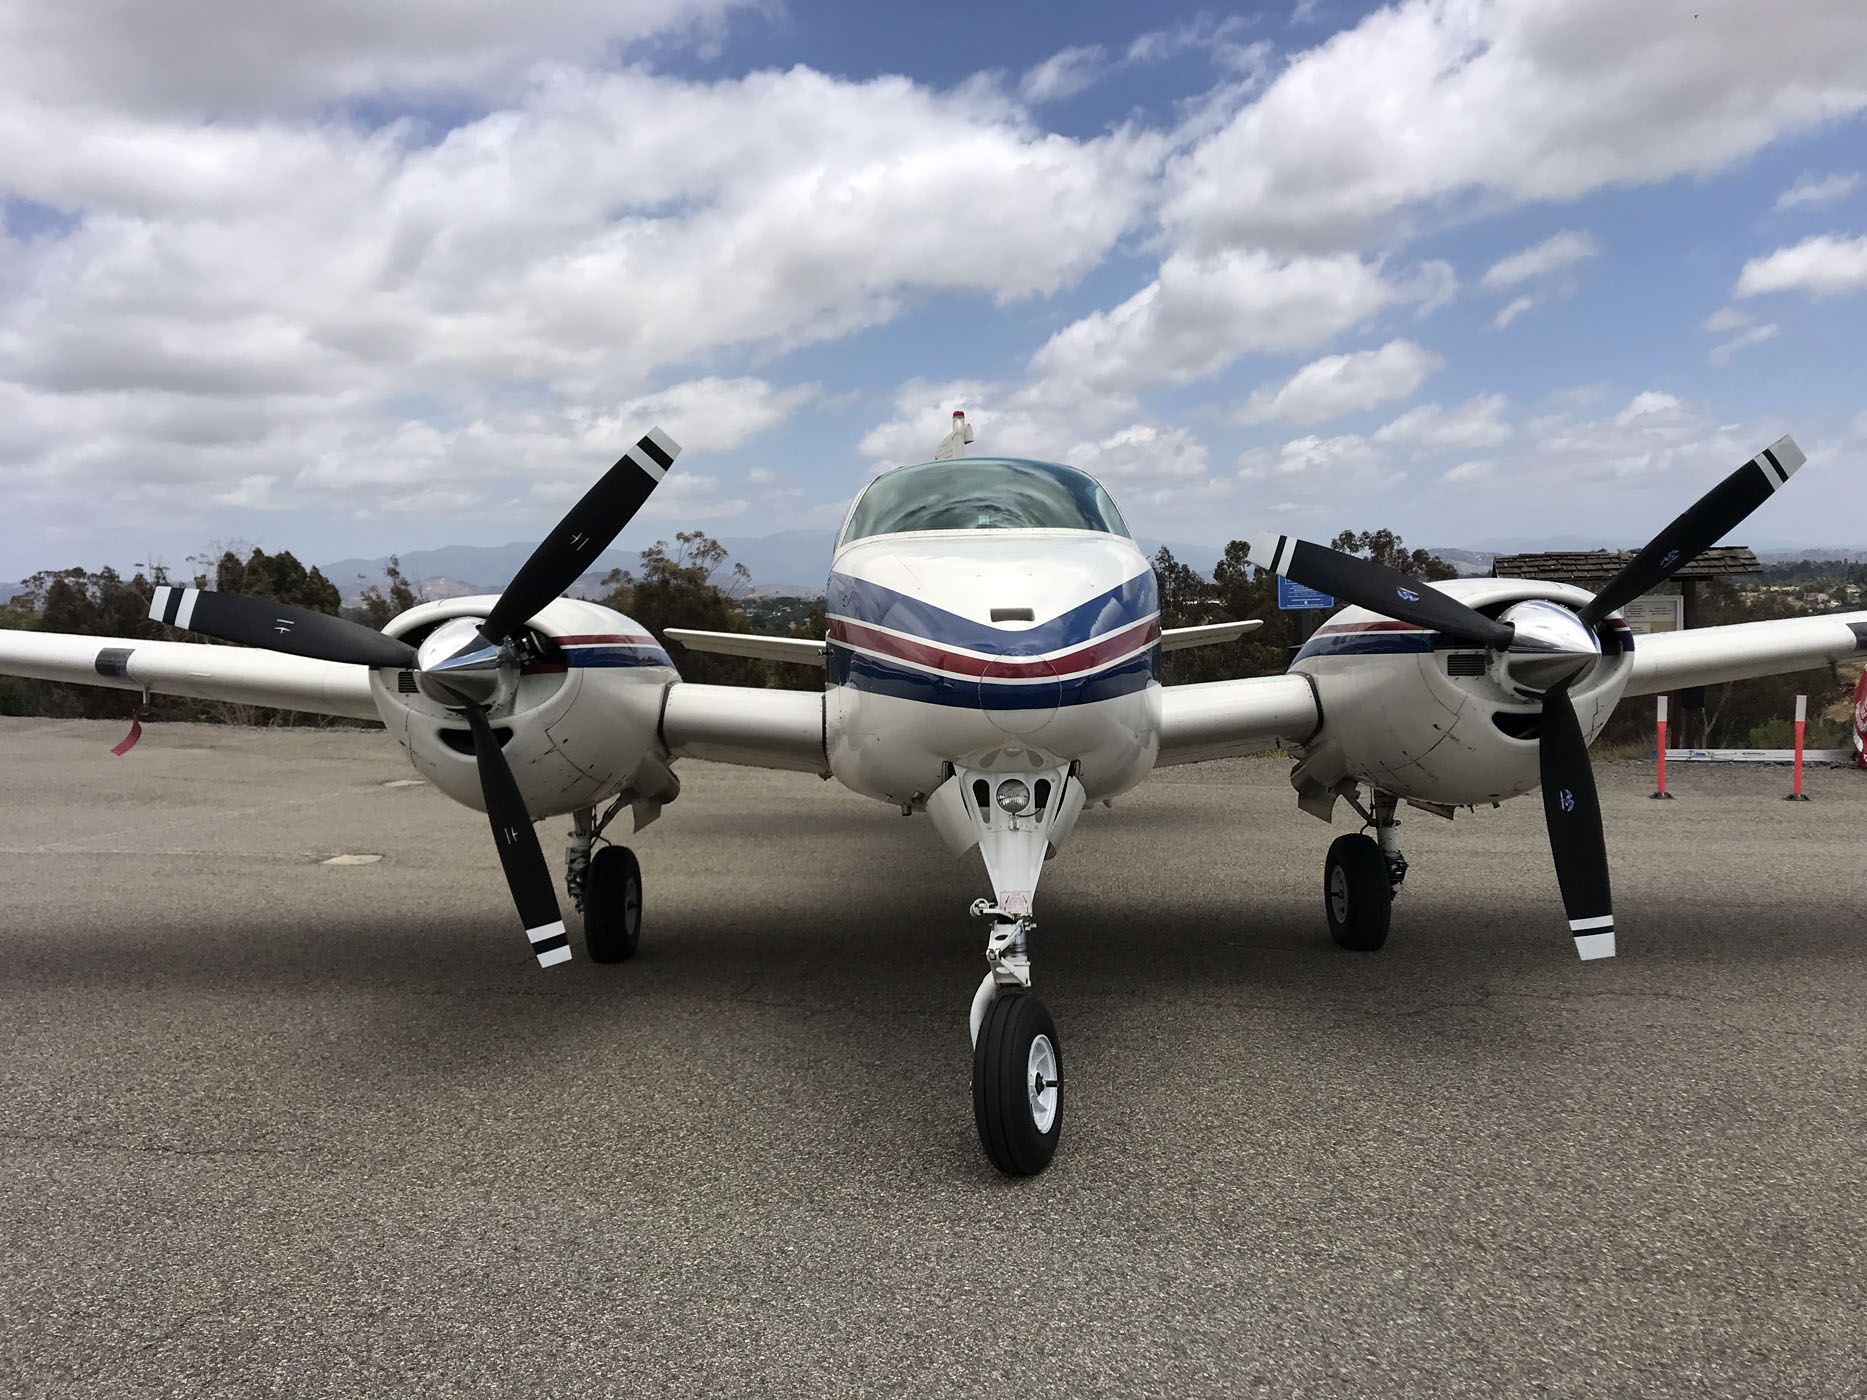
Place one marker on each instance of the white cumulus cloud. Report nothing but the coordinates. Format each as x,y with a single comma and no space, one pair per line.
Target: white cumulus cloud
1429,102
1476,423
1340,384
1817,192
1820,267
1554,254
1202,313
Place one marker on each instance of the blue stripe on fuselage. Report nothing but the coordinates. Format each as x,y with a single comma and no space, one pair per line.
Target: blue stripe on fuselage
1366,644
1120,607
597,658
842,666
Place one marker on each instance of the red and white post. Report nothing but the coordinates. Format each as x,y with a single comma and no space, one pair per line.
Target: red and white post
1660,793
1796,794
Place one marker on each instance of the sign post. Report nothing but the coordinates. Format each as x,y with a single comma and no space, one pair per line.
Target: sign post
1661,794
1796,794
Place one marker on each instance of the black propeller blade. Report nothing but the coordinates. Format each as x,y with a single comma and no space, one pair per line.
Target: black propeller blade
1572,812
589,529
1715,514
527,875
259,622
1379,589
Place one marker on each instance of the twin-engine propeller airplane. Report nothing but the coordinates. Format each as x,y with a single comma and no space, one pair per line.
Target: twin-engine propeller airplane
993,661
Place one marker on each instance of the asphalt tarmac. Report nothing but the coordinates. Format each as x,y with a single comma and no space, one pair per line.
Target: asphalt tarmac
275,1126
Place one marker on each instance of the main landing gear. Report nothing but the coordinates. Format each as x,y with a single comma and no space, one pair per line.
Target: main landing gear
1361,877
606,887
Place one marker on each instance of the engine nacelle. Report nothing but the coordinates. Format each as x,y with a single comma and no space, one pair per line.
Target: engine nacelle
1408,713
581,725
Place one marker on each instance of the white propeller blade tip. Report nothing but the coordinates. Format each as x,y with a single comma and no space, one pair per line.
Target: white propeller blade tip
1590,946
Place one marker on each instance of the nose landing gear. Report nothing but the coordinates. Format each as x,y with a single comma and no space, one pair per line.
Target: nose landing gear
1016,819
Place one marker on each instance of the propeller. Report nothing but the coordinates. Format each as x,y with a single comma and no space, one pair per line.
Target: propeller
1543,649
474,665
260,622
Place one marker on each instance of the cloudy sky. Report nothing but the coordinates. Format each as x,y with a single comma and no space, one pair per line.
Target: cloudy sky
361,275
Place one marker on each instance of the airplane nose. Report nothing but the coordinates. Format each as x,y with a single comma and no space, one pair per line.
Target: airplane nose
1020,697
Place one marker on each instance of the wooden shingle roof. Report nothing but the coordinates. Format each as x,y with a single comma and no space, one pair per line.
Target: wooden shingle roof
1591,568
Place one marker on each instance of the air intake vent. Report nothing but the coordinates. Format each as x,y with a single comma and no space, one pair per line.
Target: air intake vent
461,740
1519,724
1465,663
1013,615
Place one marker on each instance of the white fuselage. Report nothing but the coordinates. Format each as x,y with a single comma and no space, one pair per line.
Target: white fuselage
997,650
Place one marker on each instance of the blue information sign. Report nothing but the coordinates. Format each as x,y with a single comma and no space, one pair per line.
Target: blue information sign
1294,597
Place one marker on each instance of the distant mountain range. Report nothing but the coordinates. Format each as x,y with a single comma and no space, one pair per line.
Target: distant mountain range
794,563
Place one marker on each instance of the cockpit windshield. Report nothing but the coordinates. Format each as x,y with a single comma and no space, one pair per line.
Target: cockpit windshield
982,493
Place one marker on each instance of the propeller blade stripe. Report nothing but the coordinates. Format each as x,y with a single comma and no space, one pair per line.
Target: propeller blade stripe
650,468
652,446
1588,925
1280,556
549,938
184,615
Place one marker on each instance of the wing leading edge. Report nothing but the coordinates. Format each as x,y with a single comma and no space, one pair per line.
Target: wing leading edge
1744,650
239,675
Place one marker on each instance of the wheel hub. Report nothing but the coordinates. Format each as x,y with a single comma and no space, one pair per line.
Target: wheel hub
1041,1082
1338,893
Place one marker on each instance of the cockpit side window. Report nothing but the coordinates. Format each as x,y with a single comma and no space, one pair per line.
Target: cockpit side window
983,493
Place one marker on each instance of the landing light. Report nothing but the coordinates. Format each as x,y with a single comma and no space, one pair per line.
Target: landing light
1014,795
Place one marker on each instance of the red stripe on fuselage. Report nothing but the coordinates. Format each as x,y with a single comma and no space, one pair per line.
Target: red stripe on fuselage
1385,624
1007,668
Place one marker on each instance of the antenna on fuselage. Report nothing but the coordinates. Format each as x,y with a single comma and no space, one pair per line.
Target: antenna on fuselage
955,442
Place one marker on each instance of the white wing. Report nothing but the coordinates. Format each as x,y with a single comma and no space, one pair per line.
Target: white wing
1222,719
242,675
1210,634
753,727
1707,655
800,651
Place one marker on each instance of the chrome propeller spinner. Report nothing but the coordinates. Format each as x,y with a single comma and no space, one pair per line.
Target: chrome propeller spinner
1550,646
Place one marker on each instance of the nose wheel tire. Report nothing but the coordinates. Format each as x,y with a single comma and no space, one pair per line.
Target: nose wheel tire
1357,893
612,905
1017,1085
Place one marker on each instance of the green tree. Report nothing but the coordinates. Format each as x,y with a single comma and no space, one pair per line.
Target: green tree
279,577
691,585
1386,548
378,608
